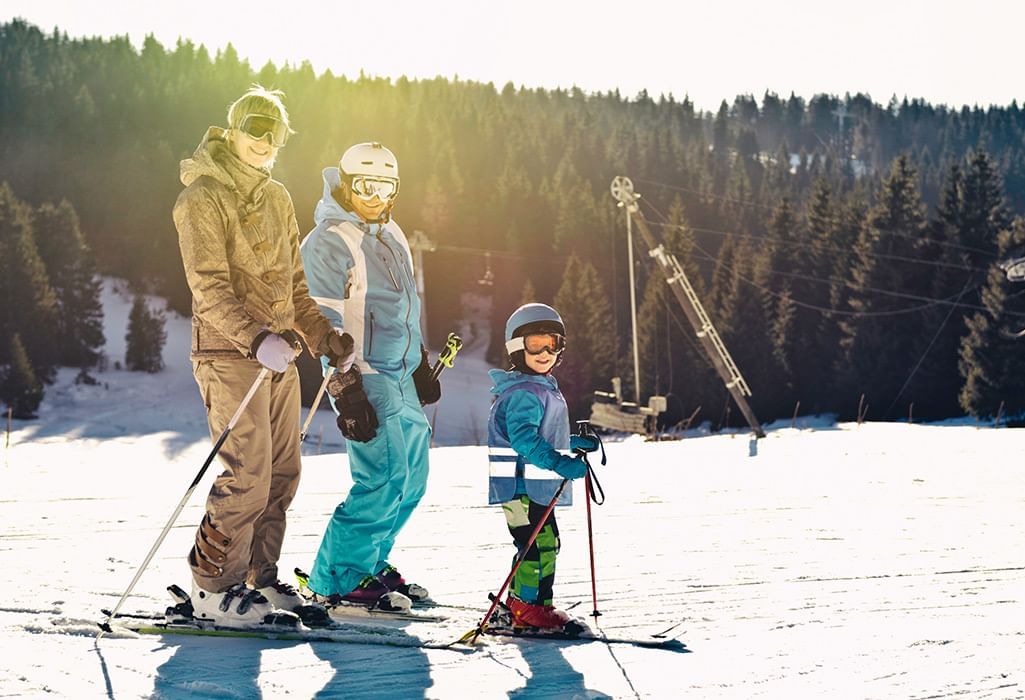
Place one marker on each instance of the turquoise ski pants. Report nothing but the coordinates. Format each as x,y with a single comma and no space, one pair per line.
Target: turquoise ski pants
389,477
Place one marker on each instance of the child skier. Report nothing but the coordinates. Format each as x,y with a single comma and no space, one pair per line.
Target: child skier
528,426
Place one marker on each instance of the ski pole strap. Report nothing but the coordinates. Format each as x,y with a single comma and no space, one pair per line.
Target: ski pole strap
447,356
584,429
595,484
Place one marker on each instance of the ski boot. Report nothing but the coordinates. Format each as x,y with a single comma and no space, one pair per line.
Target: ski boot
541,617
286,597
393,581
282,595
370,594
238,606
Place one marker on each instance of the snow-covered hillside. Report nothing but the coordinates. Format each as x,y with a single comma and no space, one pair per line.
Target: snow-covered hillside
881,560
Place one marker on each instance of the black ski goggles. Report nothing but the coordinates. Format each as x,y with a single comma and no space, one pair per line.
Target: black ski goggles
260,126
537,343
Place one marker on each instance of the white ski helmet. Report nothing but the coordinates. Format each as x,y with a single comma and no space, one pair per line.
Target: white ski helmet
369,159
369,170
528,319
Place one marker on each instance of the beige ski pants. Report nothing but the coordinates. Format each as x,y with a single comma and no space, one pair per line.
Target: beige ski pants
240,537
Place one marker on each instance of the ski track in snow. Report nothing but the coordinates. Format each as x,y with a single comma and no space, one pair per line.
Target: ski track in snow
873,561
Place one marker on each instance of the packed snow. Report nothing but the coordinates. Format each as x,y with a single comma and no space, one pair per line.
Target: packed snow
880,560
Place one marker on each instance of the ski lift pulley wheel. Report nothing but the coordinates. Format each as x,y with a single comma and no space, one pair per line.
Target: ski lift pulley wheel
622,189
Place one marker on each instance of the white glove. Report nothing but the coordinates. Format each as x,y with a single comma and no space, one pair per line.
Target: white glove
274,352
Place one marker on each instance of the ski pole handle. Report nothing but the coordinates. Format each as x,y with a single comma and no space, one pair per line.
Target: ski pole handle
447,356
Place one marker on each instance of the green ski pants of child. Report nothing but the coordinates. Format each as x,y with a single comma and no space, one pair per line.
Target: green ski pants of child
534,579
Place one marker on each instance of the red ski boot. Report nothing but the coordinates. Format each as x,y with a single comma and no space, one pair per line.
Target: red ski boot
545,617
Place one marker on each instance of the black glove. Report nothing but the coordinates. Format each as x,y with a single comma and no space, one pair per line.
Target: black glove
428,389
339,349
357,419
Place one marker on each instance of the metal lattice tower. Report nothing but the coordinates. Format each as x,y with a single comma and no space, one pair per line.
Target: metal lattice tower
711,342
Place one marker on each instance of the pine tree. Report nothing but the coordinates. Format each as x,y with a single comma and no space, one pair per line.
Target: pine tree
73,277
961,242
19,388
774,270
576,372
993,365
528,295
821,336
597,332
146,337
877,354
29,305
653,328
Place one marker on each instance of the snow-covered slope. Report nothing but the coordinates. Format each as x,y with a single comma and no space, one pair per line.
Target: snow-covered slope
880,560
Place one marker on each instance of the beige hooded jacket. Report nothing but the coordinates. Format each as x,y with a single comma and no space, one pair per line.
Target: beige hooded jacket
240,247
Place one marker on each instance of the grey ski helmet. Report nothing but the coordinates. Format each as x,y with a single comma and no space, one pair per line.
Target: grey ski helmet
528,319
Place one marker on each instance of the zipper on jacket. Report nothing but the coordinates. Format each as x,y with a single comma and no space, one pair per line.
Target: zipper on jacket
409,302
387,265
370,336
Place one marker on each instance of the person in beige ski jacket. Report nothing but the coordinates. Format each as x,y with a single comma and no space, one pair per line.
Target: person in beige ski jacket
240,248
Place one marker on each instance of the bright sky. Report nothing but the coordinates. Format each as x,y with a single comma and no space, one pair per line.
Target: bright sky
947,51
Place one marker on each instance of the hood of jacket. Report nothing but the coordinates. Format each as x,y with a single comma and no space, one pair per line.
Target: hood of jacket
214,158
504,379
329,211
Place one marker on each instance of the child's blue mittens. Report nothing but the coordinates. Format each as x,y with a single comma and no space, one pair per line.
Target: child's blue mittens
583,443
571,467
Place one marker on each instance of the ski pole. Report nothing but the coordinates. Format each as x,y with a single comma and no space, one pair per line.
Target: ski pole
590,546
105,625
471,636
315,406
584,428
447,356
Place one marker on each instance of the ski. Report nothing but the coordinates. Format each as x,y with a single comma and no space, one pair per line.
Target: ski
587,635
576,630
336,634
307,623
345,612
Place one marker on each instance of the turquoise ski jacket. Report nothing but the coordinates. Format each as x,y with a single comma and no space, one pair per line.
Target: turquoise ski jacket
361,276
529,424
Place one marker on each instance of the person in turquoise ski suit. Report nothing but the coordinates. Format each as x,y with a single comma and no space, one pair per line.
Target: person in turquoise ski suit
360,272
528,426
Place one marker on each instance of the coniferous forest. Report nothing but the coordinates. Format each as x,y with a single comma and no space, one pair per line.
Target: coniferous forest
846,248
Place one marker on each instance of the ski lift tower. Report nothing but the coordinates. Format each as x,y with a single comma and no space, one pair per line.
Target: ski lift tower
623,191
418,243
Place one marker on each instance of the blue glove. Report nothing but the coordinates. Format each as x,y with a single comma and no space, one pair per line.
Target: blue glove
571,467
583,443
